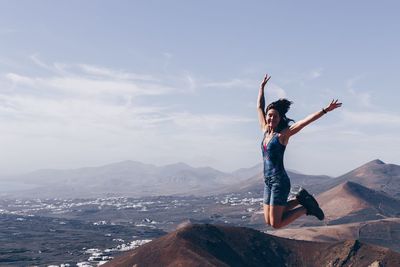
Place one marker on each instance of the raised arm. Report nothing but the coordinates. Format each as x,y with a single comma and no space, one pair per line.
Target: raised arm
261,103
296,127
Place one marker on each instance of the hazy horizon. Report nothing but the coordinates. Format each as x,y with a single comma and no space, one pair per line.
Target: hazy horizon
163,165
93,83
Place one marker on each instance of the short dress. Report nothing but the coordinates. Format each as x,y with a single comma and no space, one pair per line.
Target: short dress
276,180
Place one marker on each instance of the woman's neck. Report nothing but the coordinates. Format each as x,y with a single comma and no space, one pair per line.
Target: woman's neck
271,130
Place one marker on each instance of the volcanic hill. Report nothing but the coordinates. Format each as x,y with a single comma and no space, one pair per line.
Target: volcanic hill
351,202
212,245
375,175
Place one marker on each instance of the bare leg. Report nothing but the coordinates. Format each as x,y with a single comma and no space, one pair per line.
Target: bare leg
266,213
291,204
279,218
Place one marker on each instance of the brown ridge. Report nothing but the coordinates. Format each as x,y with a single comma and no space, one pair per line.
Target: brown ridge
216,245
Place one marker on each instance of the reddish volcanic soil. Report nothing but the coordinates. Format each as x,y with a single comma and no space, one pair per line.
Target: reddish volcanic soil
211,245
385,232
352,198
376,175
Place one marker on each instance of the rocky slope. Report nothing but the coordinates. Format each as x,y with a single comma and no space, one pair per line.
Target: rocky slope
375,175
351,202
384,232
211,245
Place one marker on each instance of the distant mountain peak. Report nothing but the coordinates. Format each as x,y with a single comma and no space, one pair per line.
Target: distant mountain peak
178,165
375,162
368,168
125,163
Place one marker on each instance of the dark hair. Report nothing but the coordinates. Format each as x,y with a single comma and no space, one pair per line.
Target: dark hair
282,106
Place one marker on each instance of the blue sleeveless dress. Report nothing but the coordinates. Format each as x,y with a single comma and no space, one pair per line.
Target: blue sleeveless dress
276,180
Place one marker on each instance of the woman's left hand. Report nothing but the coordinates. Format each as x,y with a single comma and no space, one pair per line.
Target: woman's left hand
333,105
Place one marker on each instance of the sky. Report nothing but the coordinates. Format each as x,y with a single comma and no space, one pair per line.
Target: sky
87,83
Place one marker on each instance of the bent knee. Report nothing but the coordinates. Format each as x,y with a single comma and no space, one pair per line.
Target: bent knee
276,224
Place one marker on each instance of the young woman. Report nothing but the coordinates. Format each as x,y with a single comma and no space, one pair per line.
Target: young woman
278,212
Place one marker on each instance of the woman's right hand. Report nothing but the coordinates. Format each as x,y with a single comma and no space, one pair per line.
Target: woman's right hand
264,82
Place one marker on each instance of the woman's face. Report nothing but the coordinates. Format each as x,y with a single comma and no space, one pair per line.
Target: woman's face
273,118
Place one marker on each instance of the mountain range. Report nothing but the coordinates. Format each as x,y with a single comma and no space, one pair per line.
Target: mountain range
362,209
127,178
136,179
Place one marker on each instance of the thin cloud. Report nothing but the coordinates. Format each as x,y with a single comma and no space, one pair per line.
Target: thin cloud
191,84
35,59
86,77
272,91
81,96
302,78
234,83
196,122
275,92
371,118
74,118
93,97
352,81
314,74
85,86
19,79
115,75
363,98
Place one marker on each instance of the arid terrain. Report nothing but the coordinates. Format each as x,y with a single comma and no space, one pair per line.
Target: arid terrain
209,245
88,231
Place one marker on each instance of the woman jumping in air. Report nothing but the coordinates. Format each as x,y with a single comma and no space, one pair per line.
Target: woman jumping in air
278,211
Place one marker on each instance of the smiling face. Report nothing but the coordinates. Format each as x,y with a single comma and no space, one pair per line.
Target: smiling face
273,118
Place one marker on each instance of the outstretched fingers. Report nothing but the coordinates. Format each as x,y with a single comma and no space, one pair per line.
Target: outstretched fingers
337,104
334,104
265,80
